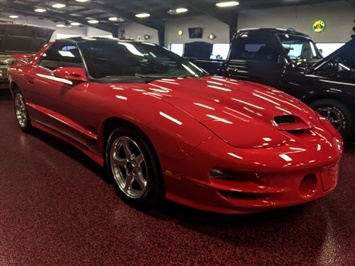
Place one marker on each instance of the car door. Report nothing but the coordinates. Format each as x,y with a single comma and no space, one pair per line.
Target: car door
57,103
255,56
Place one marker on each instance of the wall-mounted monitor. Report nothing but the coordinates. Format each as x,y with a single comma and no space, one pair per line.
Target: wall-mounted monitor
195,33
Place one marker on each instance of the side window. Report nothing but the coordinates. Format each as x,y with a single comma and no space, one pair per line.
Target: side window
298,47
61,54
254,47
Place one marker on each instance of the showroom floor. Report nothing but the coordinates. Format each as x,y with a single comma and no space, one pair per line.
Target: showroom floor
57,208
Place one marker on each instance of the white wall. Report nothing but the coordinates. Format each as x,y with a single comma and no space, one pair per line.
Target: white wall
137,31
172,26
338,16
208,25
90,31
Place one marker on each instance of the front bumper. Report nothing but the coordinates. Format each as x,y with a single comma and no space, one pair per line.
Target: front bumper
258,179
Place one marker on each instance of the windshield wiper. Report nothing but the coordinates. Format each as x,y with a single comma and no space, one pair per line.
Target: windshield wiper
151,76
160,76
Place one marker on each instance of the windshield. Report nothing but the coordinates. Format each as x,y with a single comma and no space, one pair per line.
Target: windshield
299,48
112,58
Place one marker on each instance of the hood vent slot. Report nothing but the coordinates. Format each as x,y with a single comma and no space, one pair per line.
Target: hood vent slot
284,119
290,123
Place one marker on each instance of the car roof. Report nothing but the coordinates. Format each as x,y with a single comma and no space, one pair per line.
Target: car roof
275,30
81,39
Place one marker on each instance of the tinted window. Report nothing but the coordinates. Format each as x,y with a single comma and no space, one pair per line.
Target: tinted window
298,47
61,54
256,47
110,58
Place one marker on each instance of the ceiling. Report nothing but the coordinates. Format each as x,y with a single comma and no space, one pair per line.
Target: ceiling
125,10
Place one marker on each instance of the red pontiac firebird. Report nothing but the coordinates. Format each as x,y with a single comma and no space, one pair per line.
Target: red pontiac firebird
164,128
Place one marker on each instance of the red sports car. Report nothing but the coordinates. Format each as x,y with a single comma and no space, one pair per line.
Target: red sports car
164,128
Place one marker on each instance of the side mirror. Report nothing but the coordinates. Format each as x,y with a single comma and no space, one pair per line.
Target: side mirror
71,73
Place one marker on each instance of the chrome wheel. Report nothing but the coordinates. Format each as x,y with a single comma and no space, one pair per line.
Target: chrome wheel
129,167
20,110
21,113
134,168
333,115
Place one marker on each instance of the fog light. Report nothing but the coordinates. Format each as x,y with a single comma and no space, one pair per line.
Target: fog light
308,186
218,173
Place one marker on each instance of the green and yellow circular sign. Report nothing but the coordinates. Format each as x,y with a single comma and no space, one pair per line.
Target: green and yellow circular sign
318,26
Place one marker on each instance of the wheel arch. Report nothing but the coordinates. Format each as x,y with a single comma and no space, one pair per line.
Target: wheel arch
346,104
13,86
112,123
346,99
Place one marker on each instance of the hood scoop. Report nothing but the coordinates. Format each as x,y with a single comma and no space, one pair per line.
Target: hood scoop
290,123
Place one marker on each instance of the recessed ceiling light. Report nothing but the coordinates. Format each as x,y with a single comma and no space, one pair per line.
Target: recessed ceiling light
13,16
116,19
181,10
177,11
58,5
227,4
61,25
93,21
74,23
40,10
142,15
82,1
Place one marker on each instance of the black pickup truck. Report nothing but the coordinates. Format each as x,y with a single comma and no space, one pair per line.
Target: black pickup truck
290,61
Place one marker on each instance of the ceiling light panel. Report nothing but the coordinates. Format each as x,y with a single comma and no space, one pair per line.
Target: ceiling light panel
142,15
181,10
93,21
40,10
58,5
227,4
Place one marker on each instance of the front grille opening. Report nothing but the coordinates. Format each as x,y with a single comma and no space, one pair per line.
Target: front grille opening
284,119
243,195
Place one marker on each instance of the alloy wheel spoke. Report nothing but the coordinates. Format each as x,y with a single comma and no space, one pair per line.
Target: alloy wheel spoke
141,180
120,162
129,181
127,150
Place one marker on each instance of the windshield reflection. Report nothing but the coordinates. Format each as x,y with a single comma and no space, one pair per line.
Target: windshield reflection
110,58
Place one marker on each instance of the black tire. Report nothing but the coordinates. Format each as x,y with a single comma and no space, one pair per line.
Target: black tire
134,168
23,119
338,114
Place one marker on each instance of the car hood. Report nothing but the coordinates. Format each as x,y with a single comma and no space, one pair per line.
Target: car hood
242,113
21,39
349,45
